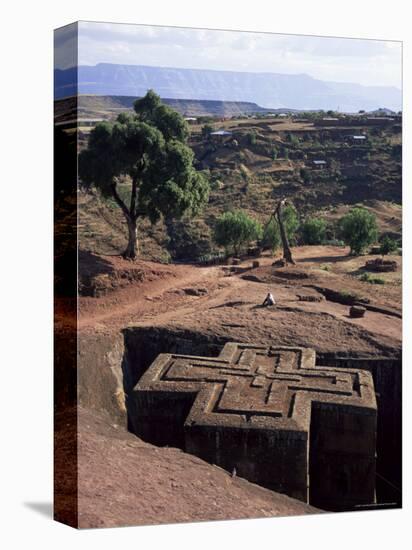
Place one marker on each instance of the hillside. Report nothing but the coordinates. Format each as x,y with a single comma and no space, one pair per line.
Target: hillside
267,89
263,160
189,107
153,485
107,106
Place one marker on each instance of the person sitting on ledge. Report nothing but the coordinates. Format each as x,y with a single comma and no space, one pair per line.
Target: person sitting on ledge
269,300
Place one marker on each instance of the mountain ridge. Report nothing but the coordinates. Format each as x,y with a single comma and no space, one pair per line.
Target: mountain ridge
269,90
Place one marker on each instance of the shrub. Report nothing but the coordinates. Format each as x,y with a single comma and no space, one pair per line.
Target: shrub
349,296
367,278
236,230
388,246
334,242
313,231
358,229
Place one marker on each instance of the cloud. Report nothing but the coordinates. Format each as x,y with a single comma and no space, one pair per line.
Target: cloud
369,62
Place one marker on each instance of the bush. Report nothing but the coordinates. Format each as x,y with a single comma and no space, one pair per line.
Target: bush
334,242
388,246
349,296
236,230
313,231
358,229
367,278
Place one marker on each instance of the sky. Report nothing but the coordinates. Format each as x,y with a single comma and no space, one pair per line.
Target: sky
367,62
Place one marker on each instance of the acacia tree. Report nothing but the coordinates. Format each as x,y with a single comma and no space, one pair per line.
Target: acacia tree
147,153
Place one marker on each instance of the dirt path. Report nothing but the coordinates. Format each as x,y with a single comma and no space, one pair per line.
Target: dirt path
145,298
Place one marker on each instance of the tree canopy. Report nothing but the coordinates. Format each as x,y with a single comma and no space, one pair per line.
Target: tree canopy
143,161
358,229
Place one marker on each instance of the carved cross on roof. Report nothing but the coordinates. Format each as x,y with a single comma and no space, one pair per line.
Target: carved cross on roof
270,413
257,385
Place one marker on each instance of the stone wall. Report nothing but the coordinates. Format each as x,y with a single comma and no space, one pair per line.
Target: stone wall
387,376
342,470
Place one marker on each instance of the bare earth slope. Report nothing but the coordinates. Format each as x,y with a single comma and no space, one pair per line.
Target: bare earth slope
227,304
124,481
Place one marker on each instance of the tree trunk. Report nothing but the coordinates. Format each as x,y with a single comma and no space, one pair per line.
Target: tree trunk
132,249
287,253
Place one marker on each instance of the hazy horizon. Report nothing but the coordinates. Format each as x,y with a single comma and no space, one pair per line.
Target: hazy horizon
228,71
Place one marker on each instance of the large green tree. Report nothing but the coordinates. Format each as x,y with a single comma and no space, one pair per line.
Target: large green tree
143,161
358,229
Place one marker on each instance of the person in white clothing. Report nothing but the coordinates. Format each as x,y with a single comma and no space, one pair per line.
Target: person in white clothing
269,300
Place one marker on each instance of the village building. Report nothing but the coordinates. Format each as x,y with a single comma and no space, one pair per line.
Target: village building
319,164
220,135
358,139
